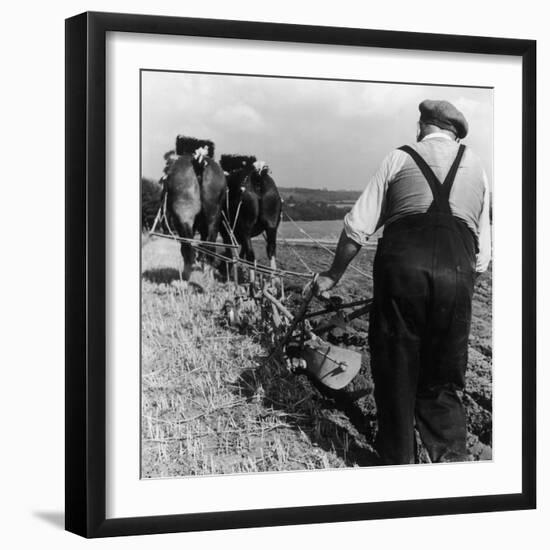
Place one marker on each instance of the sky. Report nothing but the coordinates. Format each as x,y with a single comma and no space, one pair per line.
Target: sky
312,133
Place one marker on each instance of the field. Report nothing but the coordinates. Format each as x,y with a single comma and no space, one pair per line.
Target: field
326,230
211,405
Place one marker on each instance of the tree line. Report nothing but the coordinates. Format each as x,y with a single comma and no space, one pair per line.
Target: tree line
297,208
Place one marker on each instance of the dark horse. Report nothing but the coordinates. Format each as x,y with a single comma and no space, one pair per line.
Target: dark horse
196,188
253,205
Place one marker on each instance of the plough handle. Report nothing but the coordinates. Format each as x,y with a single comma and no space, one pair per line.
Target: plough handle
300,314
357,313
294,319
337,307
278,304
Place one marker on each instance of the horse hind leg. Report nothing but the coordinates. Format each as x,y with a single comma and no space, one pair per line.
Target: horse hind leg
202,257
224,266
209,234
185,229
271,245
247,252
188,254
271,249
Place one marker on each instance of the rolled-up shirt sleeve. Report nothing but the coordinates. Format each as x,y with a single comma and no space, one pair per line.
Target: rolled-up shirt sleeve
366,215
484,231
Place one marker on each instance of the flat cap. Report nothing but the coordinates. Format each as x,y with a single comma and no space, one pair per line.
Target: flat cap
444,115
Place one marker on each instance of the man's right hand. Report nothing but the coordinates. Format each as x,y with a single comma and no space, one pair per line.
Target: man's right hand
322,284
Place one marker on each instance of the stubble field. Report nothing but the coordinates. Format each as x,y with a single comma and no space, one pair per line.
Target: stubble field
212,405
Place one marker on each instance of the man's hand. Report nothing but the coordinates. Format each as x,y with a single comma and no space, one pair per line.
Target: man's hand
346,250
321,284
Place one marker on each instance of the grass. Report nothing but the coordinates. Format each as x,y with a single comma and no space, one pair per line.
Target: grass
212,405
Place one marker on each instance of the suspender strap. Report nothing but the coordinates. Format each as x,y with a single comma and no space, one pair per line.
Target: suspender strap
449,180
428,173
440,191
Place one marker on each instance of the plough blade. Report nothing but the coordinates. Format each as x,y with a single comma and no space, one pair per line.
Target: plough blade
331,365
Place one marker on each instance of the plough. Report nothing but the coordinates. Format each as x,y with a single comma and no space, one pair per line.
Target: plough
333,366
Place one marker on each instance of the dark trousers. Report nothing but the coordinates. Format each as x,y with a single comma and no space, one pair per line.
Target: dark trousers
420,322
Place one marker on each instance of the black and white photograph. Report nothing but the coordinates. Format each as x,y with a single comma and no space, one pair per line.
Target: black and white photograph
316,274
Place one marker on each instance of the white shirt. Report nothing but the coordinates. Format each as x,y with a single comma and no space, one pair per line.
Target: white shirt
411,194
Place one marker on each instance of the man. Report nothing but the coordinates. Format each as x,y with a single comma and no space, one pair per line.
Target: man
433,200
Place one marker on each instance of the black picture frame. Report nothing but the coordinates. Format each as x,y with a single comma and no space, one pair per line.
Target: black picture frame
86,273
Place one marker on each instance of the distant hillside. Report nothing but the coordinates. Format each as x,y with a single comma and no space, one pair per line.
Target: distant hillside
302,194
317,204
300,204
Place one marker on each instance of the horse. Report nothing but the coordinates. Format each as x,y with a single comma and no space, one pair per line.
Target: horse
253,205
195,186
